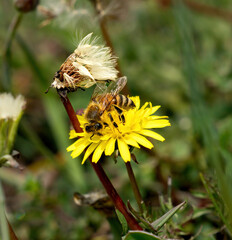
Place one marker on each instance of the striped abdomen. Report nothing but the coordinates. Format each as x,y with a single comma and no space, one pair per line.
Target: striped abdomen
123,102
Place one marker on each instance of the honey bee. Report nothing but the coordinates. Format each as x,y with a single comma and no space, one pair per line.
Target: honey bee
88,64
104,99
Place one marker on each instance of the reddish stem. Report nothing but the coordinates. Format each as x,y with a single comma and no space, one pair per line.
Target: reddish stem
119,204
131,221
105,33
71,113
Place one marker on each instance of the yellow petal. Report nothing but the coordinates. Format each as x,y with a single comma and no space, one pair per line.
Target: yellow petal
79,149
144,106
136,101
89,150
73,134
98,152
156,117
156,123
110,146
152,134
130,141
154,109
76,144
124,150
142,140
96,138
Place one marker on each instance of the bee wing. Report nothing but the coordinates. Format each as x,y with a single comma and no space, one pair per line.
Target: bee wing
100,89
115,87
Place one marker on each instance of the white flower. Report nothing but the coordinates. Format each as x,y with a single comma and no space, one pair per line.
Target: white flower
10,107
97,59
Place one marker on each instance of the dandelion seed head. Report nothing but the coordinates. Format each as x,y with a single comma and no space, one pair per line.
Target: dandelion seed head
89,63
96,58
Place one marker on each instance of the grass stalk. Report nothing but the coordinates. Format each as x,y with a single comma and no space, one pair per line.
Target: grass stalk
3,221
56,119
6,50
202,121
11,32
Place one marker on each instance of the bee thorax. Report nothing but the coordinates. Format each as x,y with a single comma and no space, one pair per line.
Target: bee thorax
93,112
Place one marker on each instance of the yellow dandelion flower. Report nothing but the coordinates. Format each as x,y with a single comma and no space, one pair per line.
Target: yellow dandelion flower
131,133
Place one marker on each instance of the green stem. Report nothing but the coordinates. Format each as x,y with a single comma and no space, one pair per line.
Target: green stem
210,194
6,50
11,32
3,221
12,132
134,185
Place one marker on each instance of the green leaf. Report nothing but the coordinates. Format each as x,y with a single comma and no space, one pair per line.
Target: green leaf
123,221
145,221
157,224
200,212
140,235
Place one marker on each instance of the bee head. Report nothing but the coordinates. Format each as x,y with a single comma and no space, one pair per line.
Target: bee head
98,126
93,127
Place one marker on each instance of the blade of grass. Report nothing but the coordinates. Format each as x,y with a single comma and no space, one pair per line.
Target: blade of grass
202,120
3,221
6,51
56,119
12,233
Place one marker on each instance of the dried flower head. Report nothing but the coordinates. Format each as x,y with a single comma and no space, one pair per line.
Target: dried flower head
132,132
89,63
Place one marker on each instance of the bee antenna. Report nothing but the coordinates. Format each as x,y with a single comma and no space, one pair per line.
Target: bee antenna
47,90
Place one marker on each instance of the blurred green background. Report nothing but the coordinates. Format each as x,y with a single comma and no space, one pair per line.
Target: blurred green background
174,55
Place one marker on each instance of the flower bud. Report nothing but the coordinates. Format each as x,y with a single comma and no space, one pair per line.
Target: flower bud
26,5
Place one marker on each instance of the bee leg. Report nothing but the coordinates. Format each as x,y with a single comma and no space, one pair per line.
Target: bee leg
105,124
112,120
119,110
83,89
99,134
121,116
